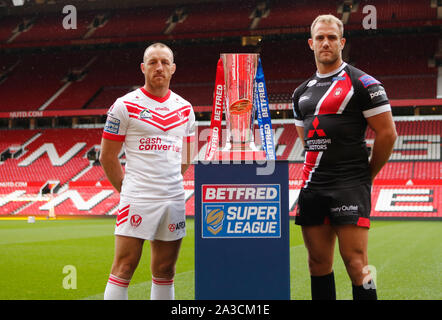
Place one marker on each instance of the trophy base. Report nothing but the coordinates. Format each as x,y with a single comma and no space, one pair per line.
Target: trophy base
241,152
240,155
240,146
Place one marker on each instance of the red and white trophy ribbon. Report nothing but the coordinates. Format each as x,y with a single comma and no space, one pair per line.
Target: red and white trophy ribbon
217,112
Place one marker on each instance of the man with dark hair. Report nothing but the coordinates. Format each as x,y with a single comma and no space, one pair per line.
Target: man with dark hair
156,127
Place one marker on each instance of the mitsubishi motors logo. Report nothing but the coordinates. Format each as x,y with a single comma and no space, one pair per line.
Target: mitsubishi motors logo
318,143
319,132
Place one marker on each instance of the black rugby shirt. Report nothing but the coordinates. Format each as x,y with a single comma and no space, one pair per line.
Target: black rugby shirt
332,109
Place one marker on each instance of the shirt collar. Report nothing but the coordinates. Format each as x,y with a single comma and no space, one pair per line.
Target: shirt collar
326,75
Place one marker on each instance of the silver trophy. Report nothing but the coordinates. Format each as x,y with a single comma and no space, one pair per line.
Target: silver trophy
239,75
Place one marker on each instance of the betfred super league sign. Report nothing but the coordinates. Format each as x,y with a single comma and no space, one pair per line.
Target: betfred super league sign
241,211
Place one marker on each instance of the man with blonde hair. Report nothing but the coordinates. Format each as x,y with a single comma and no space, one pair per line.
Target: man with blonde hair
332,110
328,18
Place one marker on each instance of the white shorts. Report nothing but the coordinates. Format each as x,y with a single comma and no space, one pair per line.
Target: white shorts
157,220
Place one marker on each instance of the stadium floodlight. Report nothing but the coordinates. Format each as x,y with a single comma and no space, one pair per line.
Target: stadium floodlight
18,3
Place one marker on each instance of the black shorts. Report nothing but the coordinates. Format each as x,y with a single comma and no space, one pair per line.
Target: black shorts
335,207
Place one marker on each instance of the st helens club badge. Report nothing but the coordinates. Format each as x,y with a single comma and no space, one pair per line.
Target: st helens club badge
135,220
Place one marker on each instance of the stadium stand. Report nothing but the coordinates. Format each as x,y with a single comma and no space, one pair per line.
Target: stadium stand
133,22
77,201
89,87
381,58
285,14
92,173
415,162
196,20
95,78
401,12
50,151
14,197
45,67
48,27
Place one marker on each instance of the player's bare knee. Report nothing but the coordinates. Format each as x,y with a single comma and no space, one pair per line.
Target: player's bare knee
164,271
123,269
355,265
319,266
167,276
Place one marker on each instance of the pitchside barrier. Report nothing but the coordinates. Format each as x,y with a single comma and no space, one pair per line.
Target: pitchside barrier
242,231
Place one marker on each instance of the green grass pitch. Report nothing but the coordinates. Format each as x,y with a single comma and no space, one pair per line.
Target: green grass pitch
38,261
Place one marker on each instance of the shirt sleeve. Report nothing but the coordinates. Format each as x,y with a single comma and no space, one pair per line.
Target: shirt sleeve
116,122
190,128
374,98
296,111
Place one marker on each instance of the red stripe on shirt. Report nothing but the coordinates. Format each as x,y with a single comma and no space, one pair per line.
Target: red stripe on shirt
113,136
336,96
158,125
309,166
